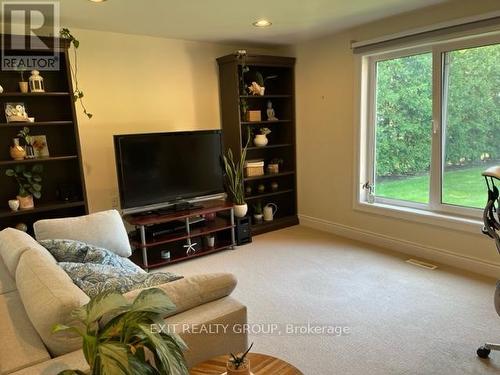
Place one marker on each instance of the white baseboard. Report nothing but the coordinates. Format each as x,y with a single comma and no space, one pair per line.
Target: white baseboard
403,246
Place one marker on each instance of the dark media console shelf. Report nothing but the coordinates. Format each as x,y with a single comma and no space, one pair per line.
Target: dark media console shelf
185,229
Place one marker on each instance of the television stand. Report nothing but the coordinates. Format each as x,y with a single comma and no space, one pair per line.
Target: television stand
177,207
189,241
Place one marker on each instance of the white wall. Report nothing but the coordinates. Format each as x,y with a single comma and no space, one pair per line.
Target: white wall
326,145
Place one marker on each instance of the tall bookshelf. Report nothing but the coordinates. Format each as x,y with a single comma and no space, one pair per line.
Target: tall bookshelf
281,92
55,117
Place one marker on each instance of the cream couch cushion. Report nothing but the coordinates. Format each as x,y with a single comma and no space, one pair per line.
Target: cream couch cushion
49,296
13,243
195,290
7,283
70,361
20,345
225,318
104,229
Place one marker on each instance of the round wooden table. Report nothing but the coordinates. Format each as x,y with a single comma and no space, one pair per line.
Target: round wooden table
260,364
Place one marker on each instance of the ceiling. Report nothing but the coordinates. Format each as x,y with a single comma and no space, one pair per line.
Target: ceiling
230,21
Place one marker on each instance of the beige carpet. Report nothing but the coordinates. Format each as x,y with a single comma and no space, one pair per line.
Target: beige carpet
403,319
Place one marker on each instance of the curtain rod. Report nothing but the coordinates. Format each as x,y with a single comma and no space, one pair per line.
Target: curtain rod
427,29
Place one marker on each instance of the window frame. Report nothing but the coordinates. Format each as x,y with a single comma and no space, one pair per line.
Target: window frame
366,136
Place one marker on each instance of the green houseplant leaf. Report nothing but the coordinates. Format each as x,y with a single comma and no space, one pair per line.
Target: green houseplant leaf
28,180
118,337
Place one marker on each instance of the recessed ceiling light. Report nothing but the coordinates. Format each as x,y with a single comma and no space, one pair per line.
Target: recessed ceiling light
262,23
98,1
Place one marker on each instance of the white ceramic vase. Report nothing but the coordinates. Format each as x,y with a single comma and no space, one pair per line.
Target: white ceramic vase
240,210
260,140
14,204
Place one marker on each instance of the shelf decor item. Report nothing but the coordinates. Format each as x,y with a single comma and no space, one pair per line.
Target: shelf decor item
29,182
17,152
239,364
36,82
24,134
254,168
274,165
269,211
254,116
234,181
16,112
1,89
14,205
23,85
40,146
274,186
271,116
261,140
257,212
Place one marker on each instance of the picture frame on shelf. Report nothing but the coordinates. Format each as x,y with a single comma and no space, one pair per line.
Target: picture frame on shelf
16,112
40,146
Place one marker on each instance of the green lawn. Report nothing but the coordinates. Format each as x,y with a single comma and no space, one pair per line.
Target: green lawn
463,187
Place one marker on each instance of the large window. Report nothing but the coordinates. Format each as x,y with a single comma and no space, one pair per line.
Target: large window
433,125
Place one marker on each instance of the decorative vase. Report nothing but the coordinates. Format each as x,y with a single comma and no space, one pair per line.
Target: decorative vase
22,227
23,87
261,188
16,151
244,369
260,140
26,203
274,186
240,210
14,205
1,89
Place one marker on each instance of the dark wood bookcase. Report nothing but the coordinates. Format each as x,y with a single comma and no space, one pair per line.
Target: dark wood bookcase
281,92
55,117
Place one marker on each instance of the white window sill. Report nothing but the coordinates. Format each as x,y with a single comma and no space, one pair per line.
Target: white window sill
449,221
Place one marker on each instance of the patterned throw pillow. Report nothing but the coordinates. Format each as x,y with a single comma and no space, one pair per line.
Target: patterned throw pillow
94,278
81,252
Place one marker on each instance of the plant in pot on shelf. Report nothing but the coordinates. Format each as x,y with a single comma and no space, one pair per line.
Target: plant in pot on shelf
122,337
24,134
239,364
258,87
260,139
30,184
23,84
257,212
234,180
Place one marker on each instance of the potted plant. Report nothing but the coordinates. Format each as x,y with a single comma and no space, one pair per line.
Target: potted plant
77,92
261,81
29,182
239,364
234,180
24,134
121,337
257,212
261,140
23,84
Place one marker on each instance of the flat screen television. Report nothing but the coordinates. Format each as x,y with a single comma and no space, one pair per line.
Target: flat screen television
159,169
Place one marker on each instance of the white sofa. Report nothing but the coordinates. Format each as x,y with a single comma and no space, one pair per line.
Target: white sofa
35,294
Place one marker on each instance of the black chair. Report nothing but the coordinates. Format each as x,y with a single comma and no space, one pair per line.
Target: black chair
491,218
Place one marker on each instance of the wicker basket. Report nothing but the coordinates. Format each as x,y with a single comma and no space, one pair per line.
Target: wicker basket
254,168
